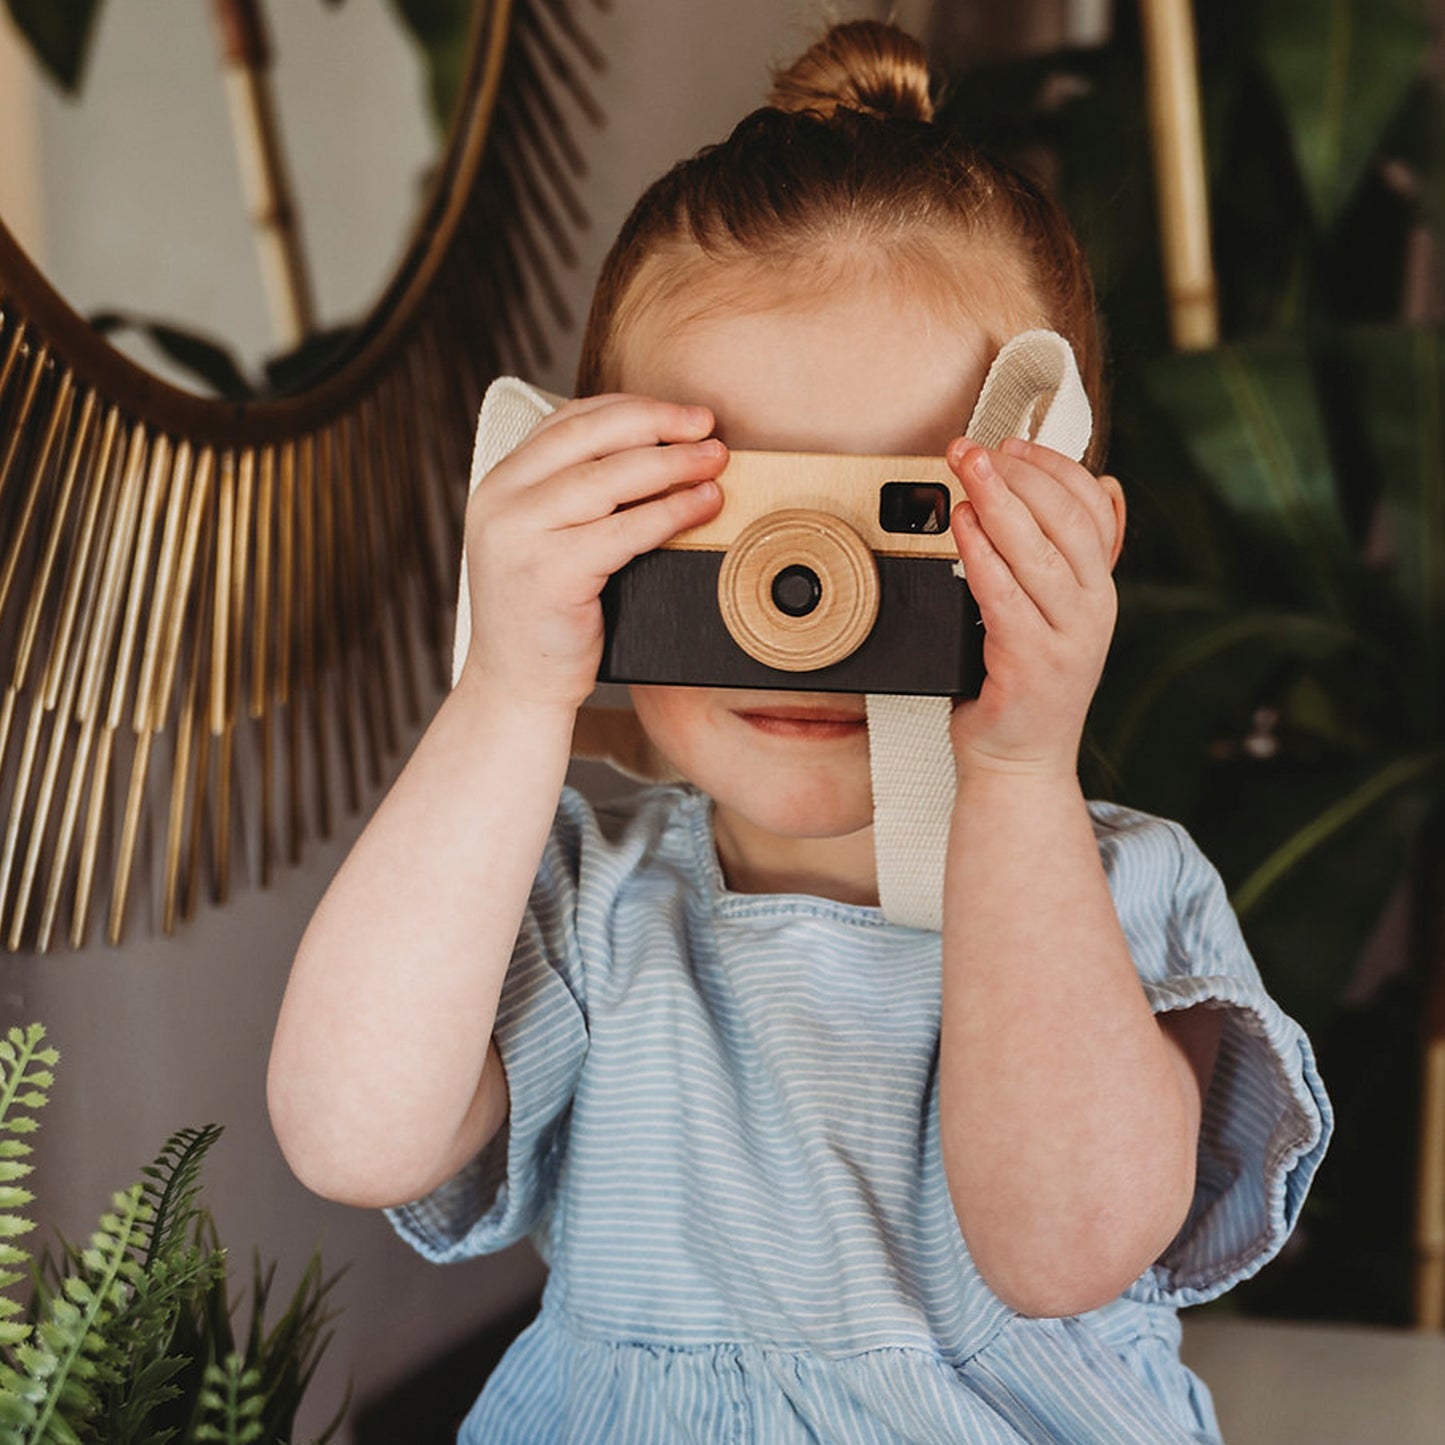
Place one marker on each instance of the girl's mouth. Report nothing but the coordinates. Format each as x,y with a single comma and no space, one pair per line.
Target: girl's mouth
801,721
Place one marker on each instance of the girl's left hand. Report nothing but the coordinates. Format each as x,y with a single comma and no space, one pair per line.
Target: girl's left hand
1038,538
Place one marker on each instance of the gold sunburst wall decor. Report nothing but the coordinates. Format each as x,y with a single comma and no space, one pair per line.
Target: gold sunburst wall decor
185,579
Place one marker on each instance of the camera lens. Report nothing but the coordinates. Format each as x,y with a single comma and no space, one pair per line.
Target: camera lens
796,591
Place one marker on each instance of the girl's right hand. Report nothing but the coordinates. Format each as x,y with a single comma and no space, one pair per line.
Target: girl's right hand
600,481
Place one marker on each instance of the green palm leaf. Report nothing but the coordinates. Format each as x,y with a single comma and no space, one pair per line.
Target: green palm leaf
1341,69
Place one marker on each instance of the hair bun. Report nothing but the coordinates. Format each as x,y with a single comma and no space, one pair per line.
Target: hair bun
862,65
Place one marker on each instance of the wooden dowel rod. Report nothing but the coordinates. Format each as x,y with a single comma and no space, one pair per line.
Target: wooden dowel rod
1180,176
56,426
1429,1283
246,59
101,482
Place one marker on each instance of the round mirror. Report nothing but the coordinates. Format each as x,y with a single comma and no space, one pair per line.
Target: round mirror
277,156
217,606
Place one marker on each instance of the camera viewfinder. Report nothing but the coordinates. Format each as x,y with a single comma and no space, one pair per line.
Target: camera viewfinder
916,507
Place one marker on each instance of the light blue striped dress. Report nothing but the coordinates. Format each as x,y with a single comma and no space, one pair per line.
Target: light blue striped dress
724,1141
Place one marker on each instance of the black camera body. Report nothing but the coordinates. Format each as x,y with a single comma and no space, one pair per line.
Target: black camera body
821,573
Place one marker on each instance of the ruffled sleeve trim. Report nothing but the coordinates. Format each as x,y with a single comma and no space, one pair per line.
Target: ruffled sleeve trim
1265,1125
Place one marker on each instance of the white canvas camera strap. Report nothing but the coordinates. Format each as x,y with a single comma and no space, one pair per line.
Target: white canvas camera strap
511,411
1032,390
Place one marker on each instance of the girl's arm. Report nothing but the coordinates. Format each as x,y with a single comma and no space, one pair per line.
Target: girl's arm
383,1081
1070,1114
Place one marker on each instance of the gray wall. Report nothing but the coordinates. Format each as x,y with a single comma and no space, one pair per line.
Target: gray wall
158,1034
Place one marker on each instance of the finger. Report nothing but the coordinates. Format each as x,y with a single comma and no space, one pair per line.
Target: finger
1006,609
593,489
1063,518
585,433
1077,478
1035,562
600,547
581,406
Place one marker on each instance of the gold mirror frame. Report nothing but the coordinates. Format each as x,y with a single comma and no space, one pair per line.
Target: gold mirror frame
174,569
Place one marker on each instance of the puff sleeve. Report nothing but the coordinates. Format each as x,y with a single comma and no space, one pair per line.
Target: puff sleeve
1266,1119
541,1033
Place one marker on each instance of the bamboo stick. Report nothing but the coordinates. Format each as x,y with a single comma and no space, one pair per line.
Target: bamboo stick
60,411
100,486
79,771
220,674
355,601
1180,178
45,797
261,624
76,638
158,485
286,623
39,360
1429,1280
384,594
246,59
102,635
200,768
56,425
26,763
165,600
331,605
12,357
234,603
384,441
308,629
534,32
1428,1283
90,839
180,768
80,440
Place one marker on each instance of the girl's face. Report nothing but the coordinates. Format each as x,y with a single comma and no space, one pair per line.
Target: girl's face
865,367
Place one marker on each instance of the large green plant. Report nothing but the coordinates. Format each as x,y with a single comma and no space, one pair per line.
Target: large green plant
129,1341
1278,677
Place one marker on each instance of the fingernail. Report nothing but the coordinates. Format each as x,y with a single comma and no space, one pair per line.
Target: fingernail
981,466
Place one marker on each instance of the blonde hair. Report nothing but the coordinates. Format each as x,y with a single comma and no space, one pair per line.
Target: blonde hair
845,154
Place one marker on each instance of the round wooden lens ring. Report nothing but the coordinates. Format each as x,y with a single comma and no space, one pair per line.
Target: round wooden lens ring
845,613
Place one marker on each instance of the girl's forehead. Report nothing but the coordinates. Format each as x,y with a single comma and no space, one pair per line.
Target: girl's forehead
868,363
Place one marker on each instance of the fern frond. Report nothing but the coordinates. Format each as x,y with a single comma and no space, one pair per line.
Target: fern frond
232,1404
25,1078
24,1065
171,1183
53,1387
176,1267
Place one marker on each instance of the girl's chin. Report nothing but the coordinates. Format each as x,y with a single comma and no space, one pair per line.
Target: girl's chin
801,820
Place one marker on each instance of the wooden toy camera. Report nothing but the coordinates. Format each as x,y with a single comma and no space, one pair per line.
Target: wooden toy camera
820,573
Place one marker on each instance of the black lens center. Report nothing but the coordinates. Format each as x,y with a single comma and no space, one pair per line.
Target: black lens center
797,590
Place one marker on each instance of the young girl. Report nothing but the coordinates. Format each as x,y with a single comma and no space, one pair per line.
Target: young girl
802,1175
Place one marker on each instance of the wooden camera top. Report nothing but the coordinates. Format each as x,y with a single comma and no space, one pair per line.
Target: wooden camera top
898,506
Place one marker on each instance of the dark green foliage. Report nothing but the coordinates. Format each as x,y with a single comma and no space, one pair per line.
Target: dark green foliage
130,1339
208,360
442,31
59,32
1277,681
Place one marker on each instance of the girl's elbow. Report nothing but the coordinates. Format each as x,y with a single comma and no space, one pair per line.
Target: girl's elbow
1061,1272
1042,1293
314,1156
